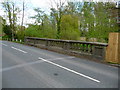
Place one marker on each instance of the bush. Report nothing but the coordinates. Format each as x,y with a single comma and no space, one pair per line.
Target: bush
20,35
7,30
33,31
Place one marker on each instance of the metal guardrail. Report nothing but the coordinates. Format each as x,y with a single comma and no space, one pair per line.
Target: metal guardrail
94,49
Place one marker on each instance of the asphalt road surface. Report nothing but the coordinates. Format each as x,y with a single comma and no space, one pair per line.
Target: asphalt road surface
29,67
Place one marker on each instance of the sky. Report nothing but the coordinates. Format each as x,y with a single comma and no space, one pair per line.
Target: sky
29,6
43,4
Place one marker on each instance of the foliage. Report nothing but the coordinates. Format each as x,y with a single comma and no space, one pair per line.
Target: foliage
7,30
67,21
39,17
20,35
1,26
69,27
98,20
11,13
105,22
32,31
47,32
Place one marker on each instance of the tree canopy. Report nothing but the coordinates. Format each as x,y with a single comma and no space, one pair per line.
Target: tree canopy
68,21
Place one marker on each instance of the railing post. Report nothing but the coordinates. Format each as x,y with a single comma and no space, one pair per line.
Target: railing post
33,42
25,41
68,45
47,43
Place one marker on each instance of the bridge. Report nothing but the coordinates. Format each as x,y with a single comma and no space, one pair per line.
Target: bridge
25,66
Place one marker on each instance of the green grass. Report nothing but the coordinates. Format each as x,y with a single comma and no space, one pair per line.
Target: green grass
113,63
0,38
18,42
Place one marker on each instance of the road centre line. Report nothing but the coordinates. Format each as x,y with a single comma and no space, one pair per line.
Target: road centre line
70,70
19,50
27,64
4,44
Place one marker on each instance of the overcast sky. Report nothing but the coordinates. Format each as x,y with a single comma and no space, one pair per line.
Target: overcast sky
43,4
29,6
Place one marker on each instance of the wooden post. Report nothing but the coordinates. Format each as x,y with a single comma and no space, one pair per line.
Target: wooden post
113,49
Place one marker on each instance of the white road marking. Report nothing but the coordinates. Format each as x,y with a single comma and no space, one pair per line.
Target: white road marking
59,58
20,65
4,44
27,64
19,50
70,70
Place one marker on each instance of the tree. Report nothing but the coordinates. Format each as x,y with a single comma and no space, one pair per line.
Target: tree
8,10
39,17
57,13
70,8
87,18
96,20
2,24
12,11
22,15
105,23
73,8
69,27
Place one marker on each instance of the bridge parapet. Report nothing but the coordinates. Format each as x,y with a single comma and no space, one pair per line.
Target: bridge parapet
93,50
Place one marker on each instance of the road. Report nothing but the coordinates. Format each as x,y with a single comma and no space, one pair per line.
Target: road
29,67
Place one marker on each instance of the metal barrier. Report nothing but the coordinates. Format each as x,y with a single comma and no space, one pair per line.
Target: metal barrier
93,49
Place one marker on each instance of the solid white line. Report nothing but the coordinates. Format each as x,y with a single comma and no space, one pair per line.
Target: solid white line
70,70
19,50
4,44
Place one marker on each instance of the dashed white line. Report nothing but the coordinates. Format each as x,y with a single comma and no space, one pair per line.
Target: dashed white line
70,70
19,50
4,44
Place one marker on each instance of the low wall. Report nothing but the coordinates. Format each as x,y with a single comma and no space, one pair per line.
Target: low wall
92,50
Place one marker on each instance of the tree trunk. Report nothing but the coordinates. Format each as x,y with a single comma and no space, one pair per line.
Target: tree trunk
22,16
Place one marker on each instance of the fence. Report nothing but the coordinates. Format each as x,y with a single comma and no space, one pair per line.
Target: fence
91,49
